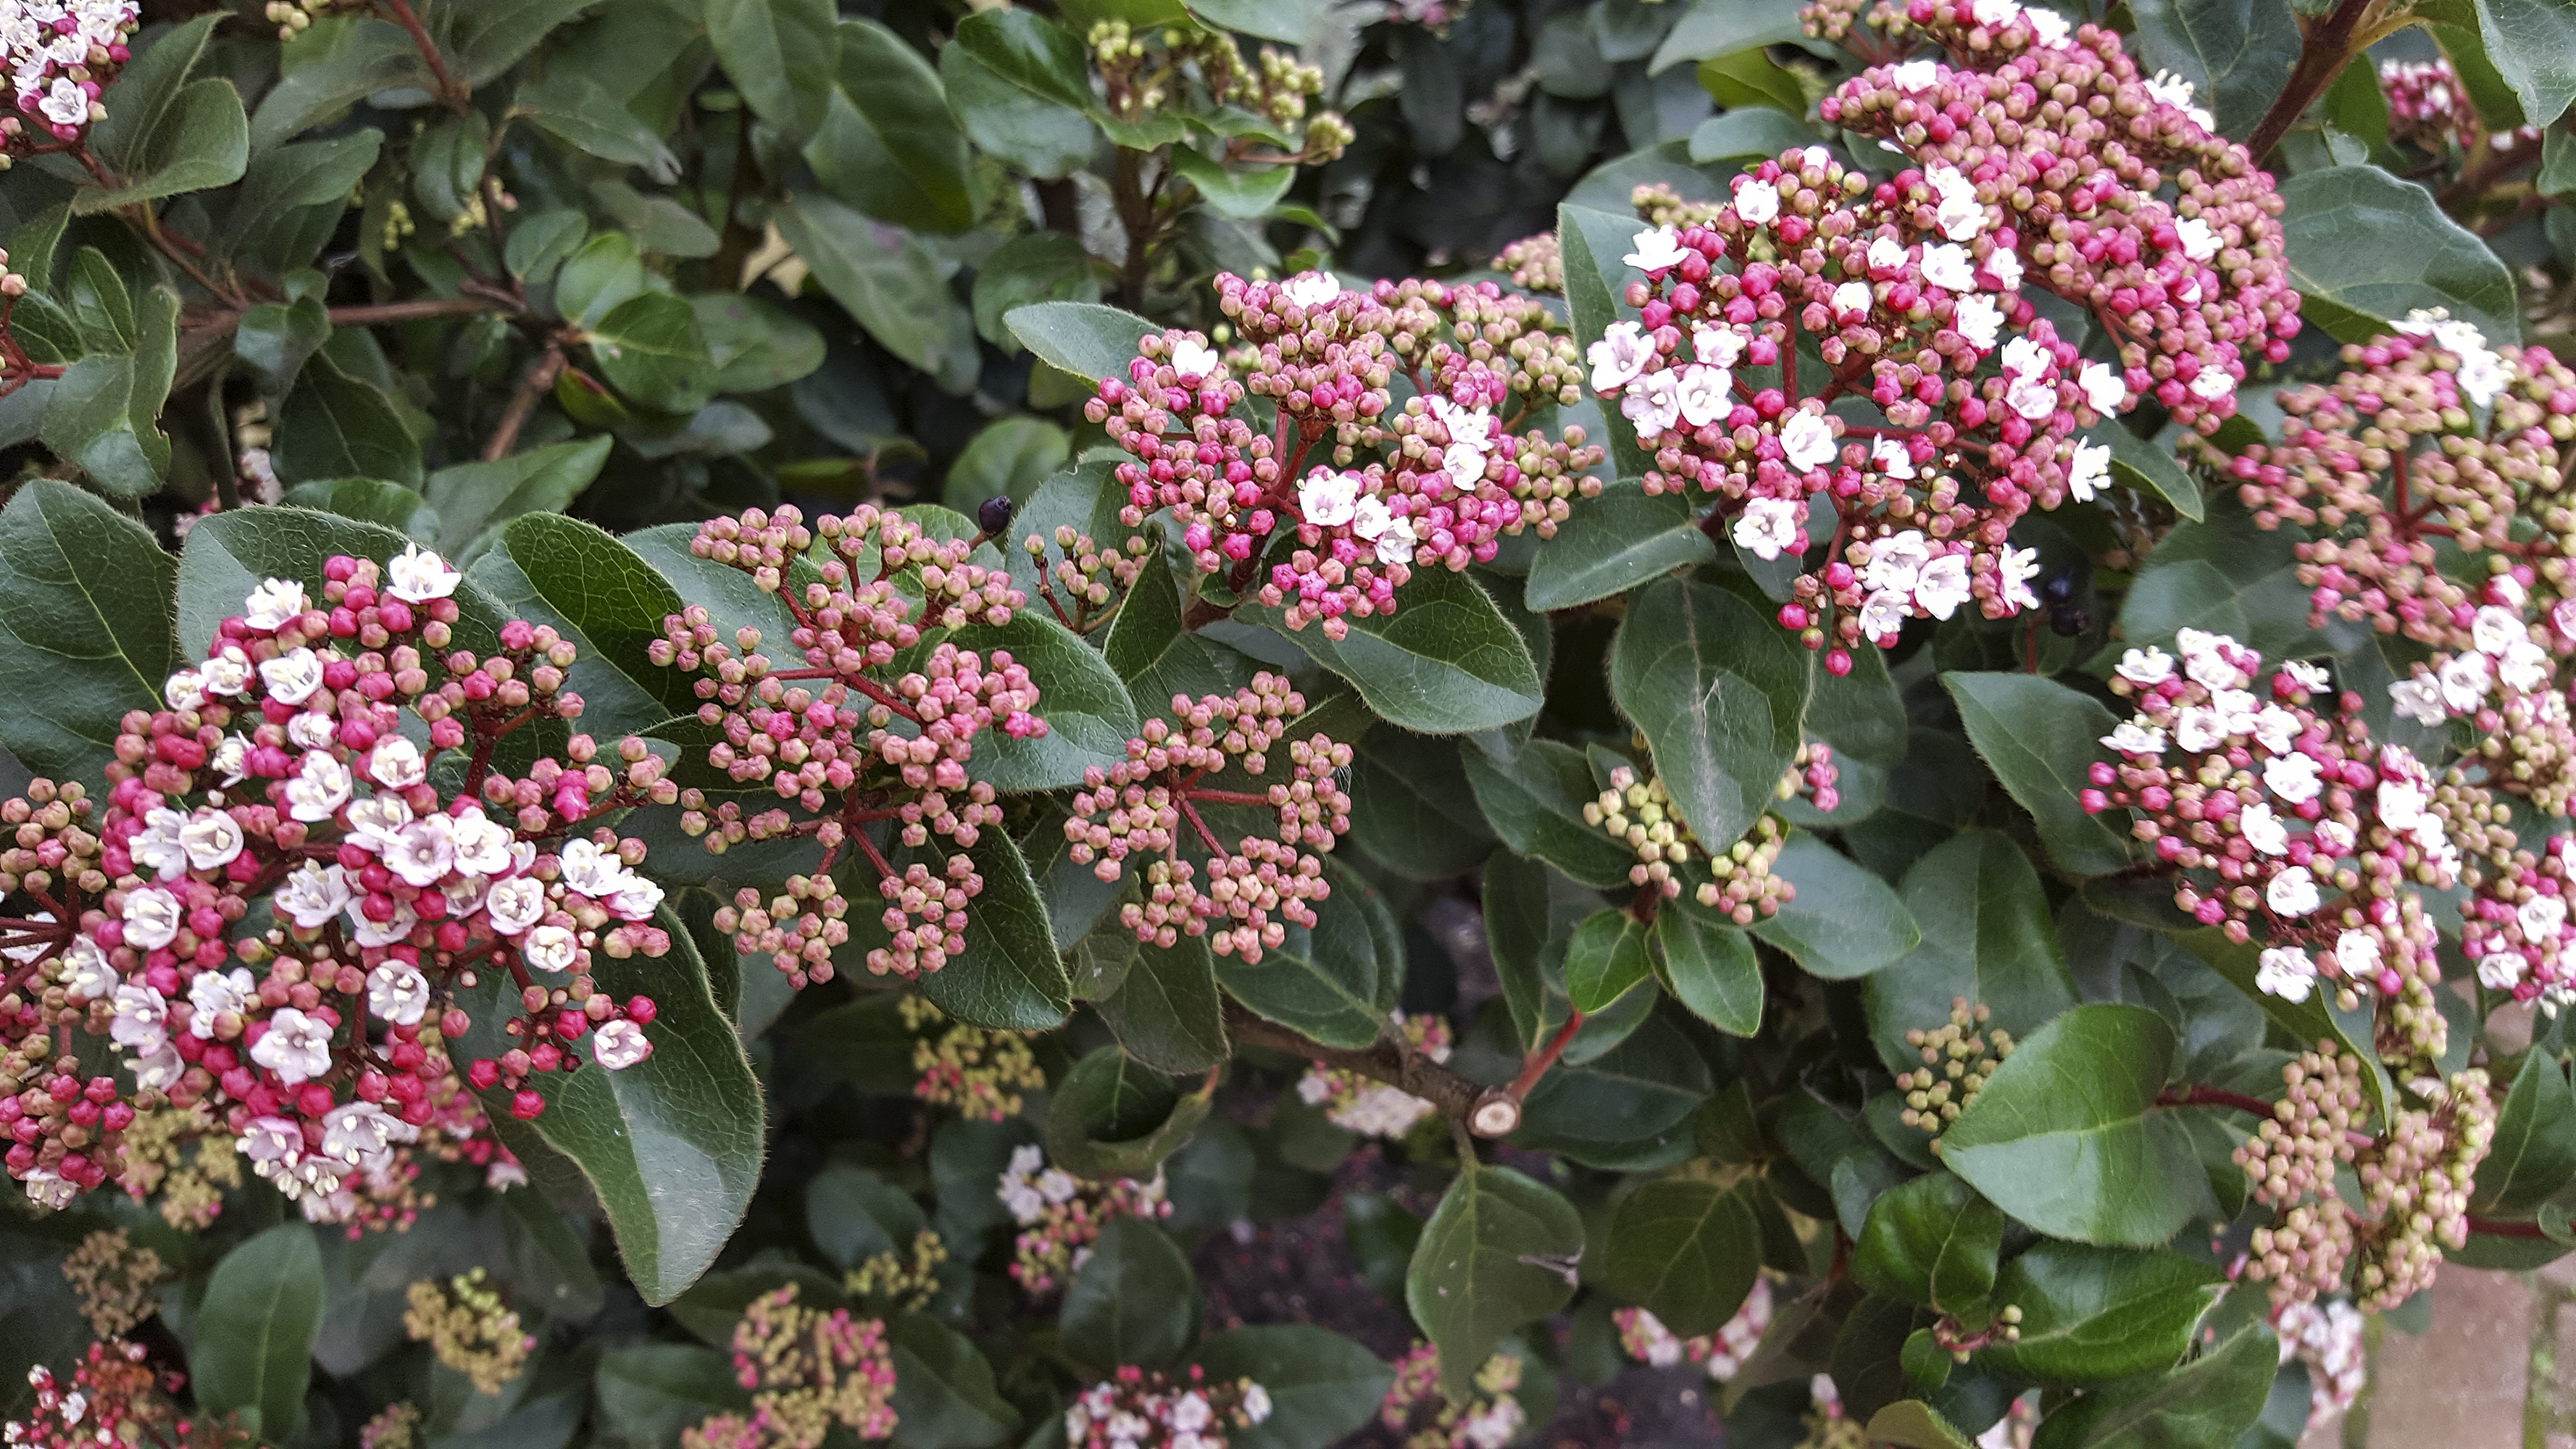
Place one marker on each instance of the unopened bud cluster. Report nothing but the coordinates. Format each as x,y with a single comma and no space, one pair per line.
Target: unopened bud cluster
809,1372
978,1071
115,1399
1061,1215
468,1329
908,1281
1414,1407
1643,1337
1641,814
1087,580
117,1281
1958,1059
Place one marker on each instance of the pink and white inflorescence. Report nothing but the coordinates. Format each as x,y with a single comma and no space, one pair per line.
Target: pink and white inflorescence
60,58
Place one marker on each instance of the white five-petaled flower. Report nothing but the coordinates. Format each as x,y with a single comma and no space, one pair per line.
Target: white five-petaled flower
2356,955
184,690
1622,353
2285,972
86,974
2419,698
398,993
1886,253
2051,27
1194,359
1895,561
1891,458
2003,268
1916,75
292,677
152,918
2307,675
620,1044
2213,383
212,839
2089,471
1654,405
1703,394
156,846
363,1134
1945,265
141,1018
2195,238
551,948
1882,615
2492,629
425,851
515,904
2262,829
397,762
2146,667
1312,290
1992,13
310,730
2465,680
1327,497
313,894
1943,585
319,788
2136,737
1976,319
417,576
1769,527
1757,203
1717,346
66,104
227,672
1852,299
2540,917
213,994
1955,208
2523,666
2014,569
1807,441
2501,970
2292,777
2102,387
2293,892
2175,91
275,604
296,1046
591,870
1658,249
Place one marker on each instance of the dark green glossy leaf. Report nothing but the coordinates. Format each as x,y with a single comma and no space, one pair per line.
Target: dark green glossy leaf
1083,338
1988,938
2091,1315
2529,43
1088,713
1719,692
1336,982
2148,467
596,592
1844,921
1535,800
1166,1011
472,498
1412,810
85,628
2204,1405
1112,1116
581,111
2233,55
253,1353
1499,1252
1613,543
1931,1241
780,54
888,144
1009,976
333,425
649,348
2041,738
1446,662
1034,267
1685,1249
944,1395
1011,123
1709,965
163,133
1135,1300
885,278
101,412
2533,1155
370,500
1606,957
2366,248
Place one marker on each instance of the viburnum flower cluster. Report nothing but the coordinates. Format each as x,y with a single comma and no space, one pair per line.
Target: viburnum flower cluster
1958,1059
1061,1215
979,1071
1137,1408
468,1329
874,730
2281,820
1326,516
1414,1406
2515,926
60,58
1087,582
1174,775
1643,1337
1370,1107
809,1372
2328,1337
1641,814
2428,106
116,1397
908,1282
293,769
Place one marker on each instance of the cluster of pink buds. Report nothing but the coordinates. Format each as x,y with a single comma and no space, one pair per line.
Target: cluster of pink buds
810,1373
1641,814
2515,926
1372,1108
979,1071
115,1398
1085,584
1265,882
871,734
294,767
1060,1216
1491,1418
1356,493
1644,1338
2278,818
1137,1408
2428,106
61,56
2328,1337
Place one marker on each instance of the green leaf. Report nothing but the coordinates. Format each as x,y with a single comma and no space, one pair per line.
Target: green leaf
883,276
1613,543
595,279
1757,133
2234,55
1008,458
1913,1424
649,348
1135,1300
944,1396
1931,1241
253,1350
333,425
1113,1117
1606,957
370,500
164,134
1261,19
1322,1386
2204,1405
275,339
1723,27
2091,1315
661,225
102,410
1535,800
2067,1136
1988,937
229,553
1335,982
1643,1087
1030,52
1595,278
1446,662
1709,965
2365,248
483,38
581,112
781,54
1009,977
1844,921
1012,124
1412,809
1083,338
754,343
284,187
1238,193
2533,1154
85,627
1034,267
1166,1011
1750,78
2140,464
2530,42
101,306
472,498
550,569
1686,1250
446,160
1719,692
2041,738
888,143
649,1393
330,67
1499,1252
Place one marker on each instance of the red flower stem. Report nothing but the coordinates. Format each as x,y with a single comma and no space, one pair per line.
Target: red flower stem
1228,797
1205,834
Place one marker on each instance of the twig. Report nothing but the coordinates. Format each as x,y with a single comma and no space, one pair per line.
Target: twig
1385,1061
2323,51
453,95
523,403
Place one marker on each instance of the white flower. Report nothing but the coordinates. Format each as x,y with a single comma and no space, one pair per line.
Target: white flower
2136,738
482,845
1894,562
2286,972
1769,527
1992,13
1916,75
2401,803
2205,659
297,1047
311,731
156,846
2213,383
2493,630
1976,319
2102,387
2048,25
2292,777
1945,265
2262,829
275,604
159,1069
2090,470
397,762
1395,544
1886,253
2195,238
47,1188
1956,211
320,787
2014,569
1807,441
363,1135
1654,404
1891,458
2198,729
228,673
1190,1412
2146,667
1717,346
2005,268
463,894
2465,680
215,993
2307,676
2275,729
2356,955
152,918
1465,465
1057,1186
515,904
636,901
1312,290
292,676
1194,359
2024,357
1756,202
212,838
1703,395
140,1018
313,894
1621,354
1852,299
65,105
376,823
398,993
2293,892
591,870
86,976
2333,837
2524,666
2034,397
2540,917
184,690
2175,91
550,948
1659,249
1255,1402
1882,615
2419,699
2501,970
425,852
1943,585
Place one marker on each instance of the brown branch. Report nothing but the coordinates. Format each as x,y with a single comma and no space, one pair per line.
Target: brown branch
2323,52
523,403
454,96
2495,1229
1487,1110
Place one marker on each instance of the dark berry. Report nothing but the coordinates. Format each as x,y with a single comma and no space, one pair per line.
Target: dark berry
995,515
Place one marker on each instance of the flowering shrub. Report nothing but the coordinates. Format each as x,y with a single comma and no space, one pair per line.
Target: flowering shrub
1470,725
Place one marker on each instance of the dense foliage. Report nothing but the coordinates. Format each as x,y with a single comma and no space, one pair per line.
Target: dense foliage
736,724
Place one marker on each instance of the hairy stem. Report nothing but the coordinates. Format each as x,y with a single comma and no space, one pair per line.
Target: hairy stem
2323,52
